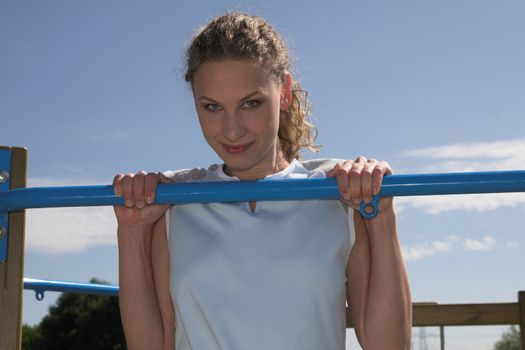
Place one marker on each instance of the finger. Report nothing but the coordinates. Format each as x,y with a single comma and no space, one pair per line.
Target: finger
385,167
382,169
138,189
341,173
366,179
355,179
361,159
117,184
150,187
127,190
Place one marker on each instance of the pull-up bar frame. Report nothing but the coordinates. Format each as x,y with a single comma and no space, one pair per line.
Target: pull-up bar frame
14,198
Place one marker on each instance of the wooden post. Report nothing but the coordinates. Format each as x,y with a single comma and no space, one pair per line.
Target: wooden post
12,271
521,302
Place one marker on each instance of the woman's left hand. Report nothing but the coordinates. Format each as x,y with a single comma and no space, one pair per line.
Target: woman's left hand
360,179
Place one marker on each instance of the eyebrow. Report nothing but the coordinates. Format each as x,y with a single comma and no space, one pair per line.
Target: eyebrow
244,98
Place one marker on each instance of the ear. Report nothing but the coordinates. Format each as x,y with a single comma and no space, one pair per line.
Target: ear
286,92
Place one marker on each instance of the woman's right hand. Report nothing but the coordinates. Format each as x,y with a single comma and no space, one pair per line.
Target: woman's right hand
138,191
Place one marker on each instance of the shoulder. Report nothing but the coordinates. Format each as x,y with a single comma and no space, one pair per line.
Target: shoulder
193,174
321,164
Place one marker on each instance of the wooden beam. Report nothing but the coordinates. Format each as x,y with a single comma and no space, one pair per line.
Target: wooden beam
466,314
12,271
430,314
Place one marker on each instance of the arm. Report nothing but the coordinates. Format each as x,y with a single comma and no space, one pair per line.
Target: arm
139,308
378,292
161,276
140,225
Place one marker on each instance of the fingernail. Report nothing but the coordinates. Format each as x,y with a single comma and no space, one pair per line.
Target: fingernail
149,199
376,190
129,203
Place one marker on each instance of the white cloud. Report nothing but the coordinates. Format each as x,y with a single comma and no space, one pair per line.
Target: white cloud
487,156
68,230
472,202
69,181
486,243
428,249
480,156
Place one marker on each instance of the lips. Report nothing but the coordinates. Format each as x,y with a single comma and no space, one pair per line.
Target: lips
236,149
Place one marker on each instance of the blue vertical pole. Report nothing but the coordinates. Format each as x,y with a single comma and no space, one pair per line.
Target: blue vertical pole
5,171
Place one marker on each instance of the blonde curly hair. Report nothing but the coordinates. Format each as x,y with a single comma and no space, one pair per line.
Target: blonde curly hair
241,36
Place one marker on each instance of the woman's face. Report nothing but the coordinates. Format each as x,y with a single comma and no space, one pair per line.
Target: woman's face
238,103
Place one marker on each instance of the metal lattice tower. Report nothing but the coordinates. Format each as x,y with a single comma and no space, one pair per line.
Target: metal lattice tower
422,339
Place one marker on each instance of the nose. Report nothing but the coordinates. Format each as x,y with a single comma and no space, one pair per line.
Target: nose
233,127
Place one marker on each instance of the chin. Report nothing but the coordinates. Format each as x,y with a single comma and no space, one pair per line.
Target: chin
238,164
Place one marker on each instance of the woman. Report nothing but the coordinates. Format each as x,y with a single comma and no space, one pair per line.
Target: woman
268,275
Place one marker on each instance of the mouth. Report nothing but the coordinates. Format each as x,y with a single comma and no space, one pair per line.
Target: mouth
236,149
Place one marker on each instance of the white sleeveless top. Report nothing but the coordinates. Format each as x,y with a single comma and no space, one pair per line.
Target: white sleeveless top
272,279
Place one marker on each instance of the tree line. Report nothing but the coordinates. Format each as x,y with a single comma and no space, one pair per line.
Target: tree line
78,321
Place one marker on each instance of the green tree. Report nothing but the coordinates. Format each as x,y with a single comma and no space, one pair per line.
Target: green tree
78,321
30,334
510,340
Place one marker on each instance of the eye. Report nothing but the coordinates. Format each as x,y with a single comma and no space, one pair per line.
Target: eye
250,104
212,107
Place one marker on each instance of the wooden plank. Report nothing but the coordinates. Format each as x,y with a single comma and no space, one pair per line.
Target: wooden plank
429,314
12,272
466,314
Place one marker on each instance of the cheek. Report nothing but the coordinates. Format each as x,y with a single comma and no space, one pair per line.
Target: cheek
272,110
267,123
275,116
209,127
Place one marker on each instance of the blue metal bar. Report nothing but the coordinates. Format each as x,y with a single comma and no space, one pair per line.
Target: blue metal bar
446,183
287,189
232,191
41,286
5,184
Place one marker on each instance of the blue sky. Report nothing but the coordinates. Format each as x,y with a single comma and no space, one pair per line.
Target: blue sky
95,88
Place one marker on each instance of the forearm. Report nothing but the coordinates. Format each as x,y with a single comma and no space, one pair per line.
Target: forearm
389,307
139,308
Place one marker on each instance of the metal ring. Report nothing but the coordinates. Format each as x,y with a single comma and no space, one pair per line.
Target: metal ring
39,295
4,176
370,209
